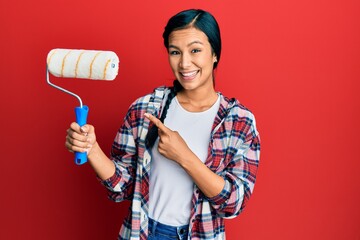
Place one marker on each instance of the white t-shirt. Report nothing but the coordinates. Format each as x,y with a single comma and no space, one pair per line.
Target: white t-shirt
171,188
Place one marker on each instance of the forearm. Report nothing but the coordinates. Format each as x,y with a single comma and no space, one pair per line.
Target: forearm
101,164
208,182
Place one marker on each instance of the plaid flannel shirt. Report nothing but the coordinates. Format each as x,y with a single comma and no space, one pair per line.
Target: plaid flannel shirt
233,154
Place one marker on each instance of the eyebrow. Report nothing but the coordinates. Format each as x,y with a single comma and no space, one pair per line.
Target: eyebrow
194,42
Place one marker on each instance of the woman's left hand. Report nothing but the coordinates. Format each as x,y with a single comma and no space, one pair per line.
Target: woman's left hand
171,144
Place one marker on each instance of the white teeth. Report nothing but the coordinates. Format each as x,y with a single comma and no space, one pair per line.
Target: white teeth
189,74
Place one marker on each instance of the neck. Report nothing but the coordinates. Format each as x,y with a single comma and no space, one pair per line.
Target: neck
197,100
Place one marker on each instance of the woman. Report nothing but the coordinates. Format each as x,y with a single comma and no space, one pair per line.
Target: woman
186,156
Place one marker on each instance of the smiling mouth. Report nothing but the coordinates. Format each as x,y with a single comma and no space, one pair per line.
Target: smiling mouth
189,75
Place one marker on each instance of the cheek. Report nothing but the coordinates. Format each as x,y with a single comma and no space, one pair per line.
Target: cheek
205,60
206,64
173,64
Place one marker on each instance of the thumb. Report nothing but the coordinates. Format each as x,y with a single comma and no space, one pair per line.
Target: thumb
86,129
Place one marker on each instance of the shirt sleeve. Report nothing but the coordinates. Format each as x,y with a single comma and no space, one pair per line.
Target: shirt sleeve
124,155
240,167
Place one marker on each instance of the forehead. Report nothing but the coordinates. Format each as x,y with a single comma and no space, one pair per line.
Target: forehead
187,36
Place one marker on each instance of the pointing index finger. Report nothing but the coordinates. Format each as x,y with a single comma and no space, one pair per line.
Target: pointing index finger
156,121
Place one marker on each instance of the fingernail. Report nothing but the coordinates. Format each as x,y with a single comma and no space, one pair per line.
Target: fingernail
146,115
83,129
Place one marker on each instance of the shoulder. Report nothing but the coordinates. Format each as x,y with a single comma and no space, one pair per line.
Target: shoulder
239,117
149,103
233,108
152,97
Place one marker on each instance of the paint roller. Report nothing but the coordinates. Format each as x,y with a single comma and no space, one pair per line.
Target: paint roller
85,64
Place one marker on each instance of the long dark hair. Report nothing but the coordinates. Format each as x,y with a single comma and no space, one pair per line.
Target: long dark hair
202,21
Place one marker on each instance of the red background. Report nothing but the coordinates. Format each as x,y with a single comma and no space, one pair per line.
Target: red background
295,64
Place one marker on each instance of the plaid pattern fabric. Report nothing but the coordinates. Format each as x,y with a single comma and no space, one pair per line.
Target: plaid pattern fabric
233,153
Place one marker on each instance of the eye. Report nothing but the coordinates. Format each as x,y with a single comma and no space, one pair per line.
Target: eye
174,52
195,50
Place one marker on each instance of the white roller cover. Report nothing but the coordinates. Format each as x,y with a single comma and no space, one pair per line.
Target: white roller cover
90,64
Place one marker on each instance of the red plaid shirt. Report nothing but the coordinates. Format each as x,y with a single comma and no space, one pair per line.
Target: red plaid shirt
233,154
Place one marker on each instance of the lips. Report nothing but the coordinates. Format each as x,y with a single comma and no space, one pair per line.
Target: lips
189,75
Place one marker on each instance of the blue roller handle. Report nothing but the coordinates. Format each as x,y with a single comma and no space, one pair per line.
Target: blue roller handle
81,116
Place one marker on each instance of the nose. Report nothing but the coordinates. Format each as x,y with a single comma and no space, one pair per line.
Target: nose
185,60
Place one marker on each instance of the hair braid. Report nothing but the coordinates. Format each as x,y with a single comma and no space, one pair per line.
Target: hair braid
153,131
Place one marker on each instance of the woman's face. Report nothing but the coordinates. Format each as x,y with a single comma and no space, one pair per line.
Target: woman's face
191,59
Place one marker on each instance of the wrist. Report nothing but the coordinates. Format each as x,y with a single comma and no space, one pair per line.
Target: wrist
93,151
186,160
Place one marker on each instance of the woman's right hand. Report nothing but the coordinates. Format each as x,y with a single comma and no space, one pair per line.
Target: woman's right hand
83,139
80,139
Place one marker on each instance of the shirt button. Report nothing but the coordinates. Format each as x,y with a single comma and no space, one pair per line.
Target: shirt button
143,217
